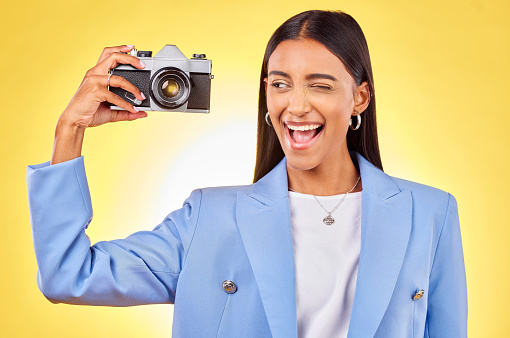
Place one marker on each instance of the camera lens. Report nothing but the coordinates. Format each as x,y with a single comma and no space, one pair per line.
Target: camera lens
170,87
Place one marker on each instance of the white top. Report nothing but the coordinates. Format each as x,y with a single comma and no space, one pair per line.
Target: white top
326,259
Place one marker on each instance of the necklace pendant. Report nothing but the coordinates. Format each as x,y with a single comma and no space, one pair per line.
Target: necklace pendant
328,220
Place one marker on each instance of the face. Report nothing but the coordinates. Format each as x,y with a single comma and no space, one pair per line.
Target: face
310,99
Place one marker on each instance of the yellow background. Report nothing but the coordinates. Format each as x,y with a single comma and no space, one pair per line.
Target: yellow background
441,76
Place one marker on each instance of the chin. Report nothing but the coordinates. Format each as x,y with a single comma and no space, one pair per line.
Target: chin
301,162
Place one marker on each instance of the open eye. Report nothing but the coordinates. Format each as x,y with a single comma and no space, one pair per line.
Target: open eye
279,85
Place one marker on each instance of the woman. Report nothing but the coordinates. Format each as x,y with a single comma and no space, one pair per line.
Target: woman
323,244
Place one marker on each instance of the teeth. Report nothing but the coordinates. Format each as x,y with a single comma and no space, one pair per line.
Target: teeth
303,128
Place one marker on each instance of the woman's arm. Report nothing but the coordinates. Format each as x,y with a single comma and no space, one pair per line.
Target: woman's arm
141,269
447,299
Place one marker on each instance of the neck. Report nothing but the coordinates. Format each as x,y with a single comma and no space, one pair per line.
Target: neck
326,179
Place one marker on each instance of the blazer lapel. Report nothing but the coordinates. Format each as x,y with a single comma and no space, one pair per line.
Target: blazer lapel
386,217
264,224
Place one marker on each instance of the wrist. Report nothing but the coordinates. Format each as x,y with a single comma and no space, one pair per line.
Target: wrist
66,126
68,141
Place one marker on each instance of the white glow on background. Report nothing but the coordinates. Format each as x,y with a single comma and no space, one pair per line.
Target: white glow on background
223,156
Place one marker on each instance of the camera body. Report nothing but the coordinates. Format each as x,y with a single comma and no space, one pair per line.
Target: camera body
169,81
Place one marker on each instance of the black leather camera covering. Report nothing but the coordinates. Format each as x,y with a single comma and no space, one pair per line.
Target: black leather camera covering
199,97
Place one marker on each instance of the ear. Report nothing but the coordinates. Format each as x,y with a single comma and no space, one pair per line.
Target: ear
265,85
362,97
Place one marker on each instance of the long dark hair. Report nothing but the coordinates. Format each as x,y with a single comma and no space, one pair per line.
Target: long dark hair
342,35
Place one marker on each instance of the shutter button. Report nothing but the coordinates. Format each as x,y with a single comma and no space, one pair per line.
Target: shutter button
229,287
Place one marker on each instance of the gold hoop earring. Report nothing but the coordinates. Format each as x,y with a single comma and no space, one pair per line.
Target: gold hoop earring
358,115
267,120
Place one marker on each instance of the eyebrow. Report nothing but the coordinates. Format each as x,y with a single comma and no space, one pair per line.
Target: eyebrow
320,76
308,77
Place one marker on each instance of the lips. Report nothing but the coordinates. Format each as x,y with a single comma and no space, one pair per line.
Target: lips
302,135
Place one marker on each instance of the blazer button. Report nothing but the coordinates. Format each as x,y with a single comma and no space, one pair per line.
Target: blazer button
229,287
418,294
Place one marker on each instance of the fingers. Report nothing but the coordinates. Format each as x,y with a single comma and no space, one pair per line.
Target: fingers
113,60
116,49
121,115
97,85
119,102
119,81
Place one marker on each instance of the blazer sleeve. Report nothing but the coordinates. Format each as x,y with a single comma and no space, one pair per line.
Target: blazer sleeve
447,298
140,269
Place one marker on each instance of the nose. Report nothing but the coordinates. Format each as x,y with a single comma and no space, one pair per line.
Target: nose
298,103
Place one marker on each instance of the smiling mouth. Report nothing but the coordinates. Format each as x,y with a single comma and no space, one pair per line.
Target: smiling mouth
303,136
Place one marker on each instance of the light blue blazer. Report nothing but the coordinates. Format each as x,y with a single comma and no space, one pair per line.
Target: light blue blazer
410,241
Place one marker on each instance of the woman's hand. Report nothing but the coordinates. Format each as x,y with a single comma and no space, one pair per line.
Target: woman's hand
90,106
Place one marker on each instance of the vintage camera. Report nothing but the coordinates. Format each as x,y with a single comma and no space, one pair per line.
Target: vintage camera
169,81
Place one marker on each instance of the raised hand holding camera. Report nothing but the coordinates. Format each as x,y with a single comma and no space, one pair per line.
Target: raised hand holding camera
125,81
90,105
